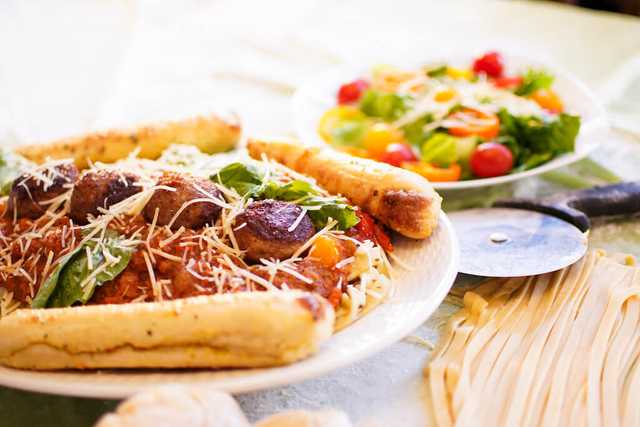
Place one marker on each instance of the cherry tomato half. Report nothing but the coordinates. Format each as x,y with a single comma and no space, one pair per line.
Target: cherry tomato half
491,159
508,82
352,92
467,122
490,64
397,153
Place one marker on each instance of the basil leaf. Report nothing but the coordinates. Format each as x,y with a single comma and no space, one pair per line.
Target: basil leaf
11,165
294,190
248,180
344,214
245,179
69,289
49,285
63,287
534,80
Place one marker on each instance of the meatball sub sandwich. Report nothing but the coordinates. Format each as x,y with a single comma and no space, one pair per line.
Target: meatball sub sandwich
193,259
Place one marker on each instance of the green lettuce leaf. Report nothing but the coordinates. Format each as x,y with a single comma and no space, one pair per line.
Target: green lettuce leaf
387,106
438,71
440,149
414,132
534,80
536,140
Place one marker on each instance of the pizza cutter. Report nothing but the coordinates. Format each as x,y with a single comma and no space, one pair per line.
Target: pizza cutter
523,237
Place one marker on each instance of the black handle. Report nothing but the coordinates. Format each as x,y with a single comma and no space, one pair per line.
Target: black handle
577,207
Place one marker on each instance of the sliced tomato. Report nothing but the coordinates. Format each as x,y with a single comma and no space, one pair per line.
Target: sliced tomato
369,229
507,82
467,122
434,173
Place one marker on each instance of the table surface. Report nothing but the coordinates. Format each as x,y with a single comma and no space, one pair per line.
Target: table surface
81,65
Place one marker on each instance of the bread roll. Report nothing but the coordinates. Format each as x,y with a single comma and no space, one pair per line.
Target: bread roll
181,406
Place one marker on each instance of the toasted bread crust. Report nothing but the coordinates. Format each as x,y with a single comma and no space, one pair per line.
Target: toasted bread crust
401,199
248,329
209,133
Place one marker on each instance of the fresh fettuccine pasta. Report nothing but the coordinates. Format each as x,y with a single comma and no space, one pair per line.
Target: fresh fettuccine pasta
559,349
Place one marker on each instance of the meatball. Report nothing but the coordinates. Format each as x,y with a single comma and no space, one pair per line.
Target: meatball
262,230
31,191
187,188
101,188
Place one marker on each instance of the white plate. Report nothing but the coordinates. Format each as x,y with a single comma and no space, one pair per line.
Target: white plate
317,95
418,293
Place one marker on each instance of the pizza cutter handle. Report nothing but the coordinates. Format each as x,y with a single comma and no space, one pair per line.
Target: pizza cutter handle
578,207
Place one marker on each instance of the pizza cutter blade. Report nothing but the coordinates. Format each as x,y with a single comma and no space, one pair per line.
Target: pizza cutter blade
504,242
523,237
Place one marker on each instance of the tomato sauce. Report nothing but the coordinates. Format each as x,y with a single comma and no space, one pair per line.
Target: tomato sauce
182,265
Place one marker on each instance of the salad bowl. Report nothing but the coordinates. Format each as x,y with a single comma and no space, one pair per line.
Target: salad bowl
318,95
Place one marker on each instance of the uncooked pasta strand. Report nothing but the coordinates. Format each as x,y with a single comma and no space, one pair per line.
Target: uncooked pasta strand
551,350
